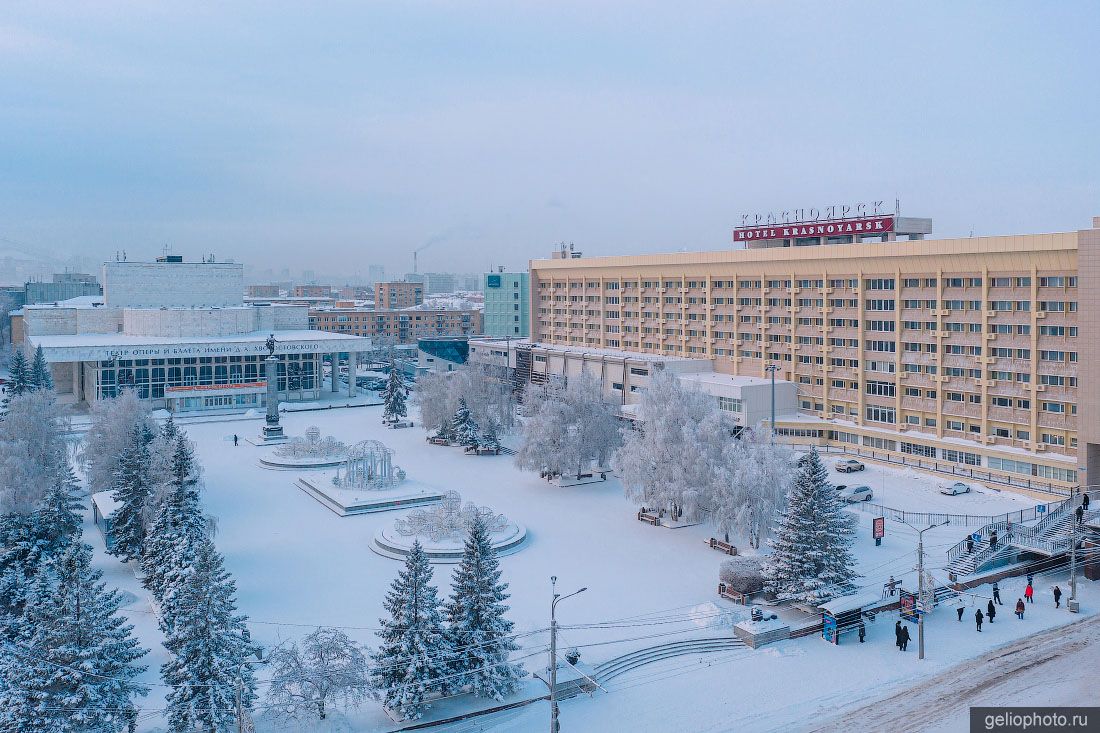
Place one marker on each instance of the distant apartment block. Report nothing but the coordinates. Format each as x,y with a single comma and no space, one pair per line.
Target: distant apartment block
262,291
398,294
396,326
312,291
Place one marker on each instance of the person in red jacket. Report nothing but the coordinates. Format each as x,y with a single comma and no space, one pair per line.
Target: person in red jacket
1029,592
1020,609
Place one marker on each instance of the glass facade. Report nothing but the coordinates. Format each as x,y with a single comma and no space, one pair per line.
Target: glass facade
299,375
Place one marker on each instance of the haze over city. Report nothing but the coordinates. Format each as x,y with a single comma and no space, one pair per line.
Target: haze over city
329,137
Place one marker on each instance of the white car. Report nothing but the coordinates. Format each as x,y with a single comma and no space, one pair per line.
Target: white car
956,488
849,465
853,494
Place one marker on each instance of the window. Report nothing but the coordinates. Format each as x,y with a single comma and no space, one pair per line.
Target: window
879,443
875,413
958,456
914,449
729,404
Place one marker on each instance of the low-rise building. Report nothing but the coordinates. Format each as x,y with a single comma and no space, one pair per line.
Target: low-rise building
396,325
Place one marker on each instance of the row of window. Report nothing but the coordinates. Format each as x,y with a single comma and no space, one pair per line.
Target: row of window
1047,281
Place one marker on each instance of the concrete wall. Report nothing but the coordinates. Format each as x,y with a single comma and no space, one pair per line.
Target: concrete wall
173,284
1088,365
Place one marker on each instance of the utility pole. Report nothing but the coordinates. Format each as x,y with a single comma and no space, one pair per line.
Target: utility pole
772,368
554,650
920,583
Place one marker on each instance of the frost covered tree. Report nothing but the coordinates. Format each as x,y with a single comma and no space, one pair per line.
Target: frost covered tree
111,433
437,400
393,401
567,429
411,662
40,372
811,557
134,486
70,668
675,458
752,487
328,669
176,534
209,644
463,427
479,631
488,394
488,439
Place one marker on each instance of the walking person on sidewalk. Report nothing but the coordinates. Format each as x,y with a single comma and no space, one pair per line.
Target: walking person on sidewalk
978,619
990,611
960,609
1020,609
1057,597
993,539
969,545
904,637
997,594
1029,593
234,440
897,635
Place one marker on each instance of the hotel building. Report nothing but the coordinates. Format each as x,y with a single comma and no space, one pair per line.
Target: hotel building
982,352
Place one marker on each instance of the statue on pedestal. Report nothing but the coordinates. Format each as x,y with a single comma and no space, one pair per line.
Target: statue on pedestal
272,431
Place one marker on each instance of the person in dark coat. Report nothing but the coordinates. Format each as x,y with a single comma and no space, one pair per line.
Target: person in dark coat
1085,501
960,610
862,632
990,611
1020,609
904,637
1029,593
234,440
897,634
1080,512
993,538
969,545
1057,597
997,594
978,618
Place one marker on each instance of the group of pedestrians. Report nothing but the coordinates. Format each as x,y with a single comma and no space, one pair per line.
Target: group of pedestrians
901,635
991,607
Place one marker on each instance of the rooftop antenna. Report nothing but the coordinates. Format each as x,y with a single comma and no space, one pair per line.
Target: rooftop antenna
897,207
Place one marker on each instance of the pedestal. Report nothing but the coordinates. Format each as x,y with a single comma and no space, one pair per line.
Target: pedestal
272,431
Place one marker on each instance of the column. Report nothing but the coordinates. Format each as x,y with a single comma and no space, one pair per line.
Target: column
335,372
353,361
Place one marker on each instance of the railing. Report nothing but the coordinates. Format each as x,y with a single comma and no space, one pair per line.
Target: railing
962,520
950,469
1002,528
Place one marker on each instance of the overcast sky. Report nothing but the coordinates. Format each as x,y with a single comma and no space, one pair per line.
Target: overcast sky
335,136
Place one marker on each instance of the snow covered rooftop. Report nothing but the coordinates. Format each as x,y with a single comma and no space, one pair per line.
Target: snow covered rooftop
81,301
866,598
613,353
727,380
105,502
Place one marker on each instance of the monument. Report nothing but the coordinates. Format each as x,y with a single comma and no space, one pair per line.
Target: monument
272,432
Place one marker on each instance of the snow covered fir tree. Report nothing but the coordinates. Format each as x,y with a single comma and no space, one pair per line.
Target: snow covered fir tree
412,661
811,557
134,488
463,428
479,633
18,377
393,400
211,648
40,371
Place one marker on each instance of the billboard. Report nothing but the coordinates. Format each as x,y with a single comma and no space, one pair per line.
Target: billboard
871,225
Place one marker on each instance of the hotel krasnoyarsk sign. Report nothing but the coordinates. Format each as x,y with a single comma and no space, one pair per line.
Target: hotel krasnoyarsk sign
829,221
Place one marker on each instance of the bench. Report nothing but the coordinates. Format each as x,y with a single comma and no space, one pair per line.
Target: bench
649,518
485,451
438,441
402,424
717,544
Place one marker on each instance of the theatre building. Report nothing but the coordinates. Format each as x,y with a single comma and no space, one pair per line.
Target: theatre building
981,353
180,334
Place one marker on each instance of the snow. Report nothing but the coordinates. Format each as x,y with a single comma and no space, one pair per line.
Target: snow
105,502
299,565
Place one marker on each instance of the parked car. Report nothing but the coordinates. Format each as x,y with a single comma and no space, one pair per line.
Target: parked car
856,493
848,465
841,487
956,488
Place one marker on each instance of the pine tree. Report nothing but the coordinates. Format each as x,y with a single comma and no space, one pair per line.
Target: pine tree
411,662
463,427
40,372
134,485
478,631
176,533
60,516
393,406
19,373
811,556
488,439
77,670
210,645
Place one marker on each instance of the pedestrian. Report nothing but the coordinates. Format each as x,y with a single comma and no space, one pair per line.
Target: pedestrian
990,611
1057,597
897,634
993,539
1028,593
997,594
904,637
978,619
1030,578
1020,609
862,631
1085,501
970,544
1080,512
960,610
234,440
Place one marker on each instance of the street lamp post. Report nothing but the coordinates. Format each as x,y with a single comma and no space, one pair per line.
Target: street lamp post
920,582
554,650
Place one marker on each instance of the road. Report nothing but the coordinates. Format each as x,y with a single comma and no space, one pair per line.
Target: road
1056,667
